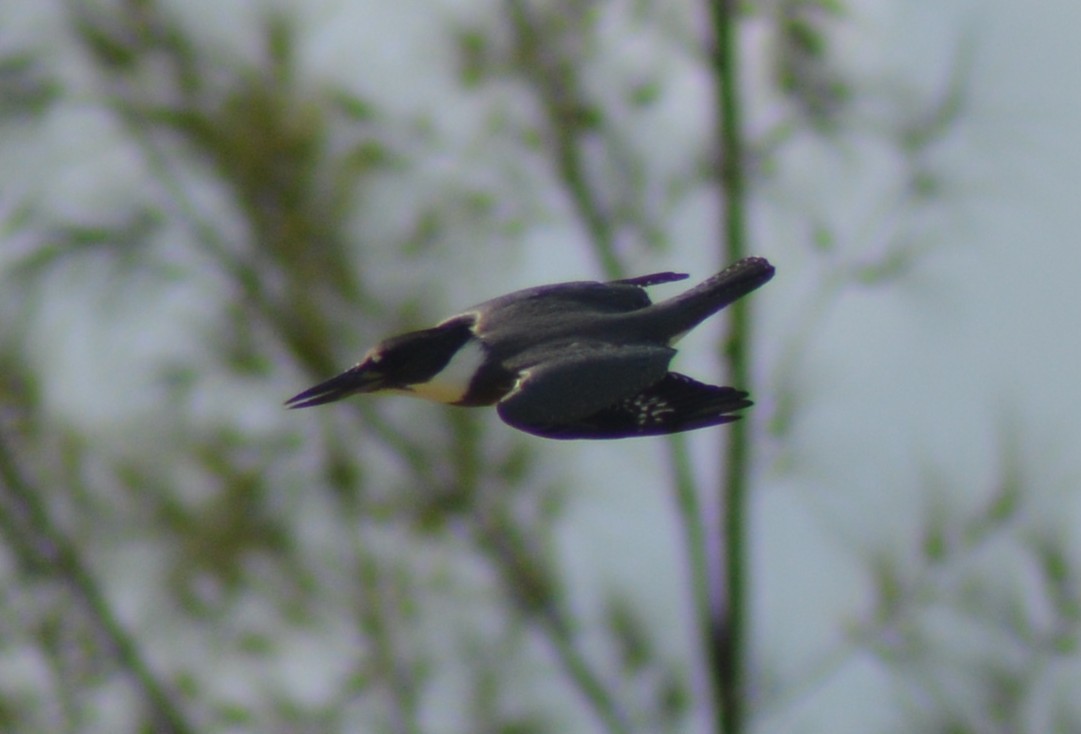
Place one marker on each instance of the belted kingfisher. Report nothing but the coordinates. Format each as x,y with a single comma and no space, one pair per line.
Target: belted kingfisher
568,360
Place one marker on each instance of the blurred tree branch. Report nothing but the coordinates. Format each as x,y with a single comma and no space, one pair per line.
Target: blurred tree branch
43,549
728,634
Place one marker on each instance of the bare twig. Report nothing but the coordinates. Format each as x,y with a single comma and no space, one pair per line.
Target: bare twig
533,593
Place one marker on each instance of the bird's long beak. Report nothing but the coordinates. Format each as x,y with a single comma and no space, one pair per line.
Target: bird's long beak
362,378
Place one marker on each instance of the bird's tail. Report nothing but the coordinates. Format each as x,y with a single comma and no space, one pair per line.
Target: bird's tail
680,314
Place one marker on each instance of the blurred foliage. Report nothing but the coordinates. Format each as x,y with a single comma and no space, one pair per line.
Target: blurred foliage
193,562
804,71
26,89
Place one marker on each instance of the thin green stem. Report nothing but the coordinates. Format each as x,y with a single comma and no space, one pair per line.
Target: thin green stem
560,102
729,630
691,516
725,632
578,669
531,587
566,112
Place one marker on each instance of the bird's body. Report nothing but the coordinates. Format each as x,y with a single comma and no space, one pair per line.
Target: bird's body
569,360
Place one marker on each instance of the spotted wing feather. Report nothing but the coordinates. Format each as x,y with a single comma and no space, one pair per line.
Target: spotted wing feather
674,404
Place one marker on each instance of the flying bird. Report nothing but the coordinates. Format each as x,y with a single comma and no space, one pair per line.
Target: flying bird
568,360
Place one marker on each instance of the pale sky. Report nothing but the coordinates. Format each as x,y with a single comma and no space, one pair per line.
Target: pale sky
903,380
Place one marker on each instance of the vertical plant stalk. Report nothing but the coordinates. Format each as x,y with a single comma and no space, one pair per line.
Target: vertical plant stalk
563,105
533,591
560,98
728,634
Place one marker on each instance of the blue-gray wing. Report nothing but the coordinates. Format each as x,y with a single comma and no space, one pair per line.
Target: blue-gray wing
565,384
586,296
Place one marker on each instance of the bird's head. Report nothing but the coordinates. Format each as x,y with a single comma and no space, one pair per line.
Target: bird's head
434,363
